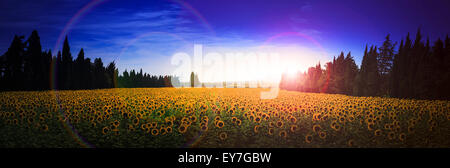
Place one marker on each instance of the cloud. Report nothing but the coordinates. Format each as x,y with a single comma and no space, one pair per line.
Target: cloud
153,14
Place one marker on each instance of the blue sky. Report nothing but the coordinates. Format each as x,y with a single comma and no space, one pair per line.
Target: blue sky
145,34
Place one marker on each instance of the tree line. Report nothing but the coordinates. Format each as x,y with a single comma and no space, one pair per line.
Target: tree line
25,66
132,80
416,70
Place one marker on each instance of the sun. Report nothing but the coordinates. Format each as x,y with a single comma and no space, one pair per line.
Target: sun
291,71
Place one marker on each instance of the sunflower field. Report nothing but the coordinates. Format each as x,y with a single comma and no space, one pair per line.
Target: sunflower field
217,117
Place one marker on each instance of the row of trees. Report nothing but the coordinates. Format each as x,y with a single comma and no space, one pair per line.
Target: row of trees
338,77
420,70
415,70
25,66
132,80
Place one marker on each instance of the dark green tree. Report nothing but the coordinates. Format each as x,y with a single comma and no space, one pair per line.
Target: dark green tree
14,74
111,72
34,63
78,73
350,72
385,61
67,66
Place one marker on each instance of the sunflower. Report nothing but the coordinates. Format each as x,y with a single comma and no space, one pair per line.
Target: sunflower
337,127
105,130
193,118
325,117
204,128
293,119
271,131
280,123
155,131
387,126
283,134
322,134
182,129
205,118
143,126
293,128
256,128
317,128
271,124
147,130
223,136
217,118
370,126
233,119
251,117
163,131
377,132
308,138
154,125
116,123
169,129
220,124
238,122
139,116
170,123
136,121
351,118
126,115
258,119
342,119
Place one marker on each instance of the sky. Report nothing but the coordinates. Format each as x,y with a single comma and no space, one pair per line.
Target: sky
146,34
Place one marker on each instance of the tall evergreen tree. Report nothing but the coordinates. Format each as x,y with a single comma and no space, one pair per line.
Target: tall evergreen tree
350,72
14,58
394,76
361,78
67,66
111,72
58,71
99,74
435,72
33,64
78,72
373,79
404,61
385,61
446,70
